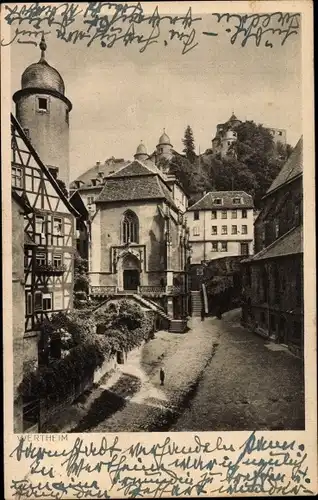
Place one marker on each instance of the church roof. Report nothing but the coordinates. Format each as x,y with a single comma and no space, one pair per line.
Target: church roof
233,118
291,169
136,181
133,188
137,167
109,167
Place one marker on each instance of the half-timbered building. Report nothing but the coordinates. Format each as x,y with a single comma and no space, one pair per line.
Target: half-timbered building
50,226
49,242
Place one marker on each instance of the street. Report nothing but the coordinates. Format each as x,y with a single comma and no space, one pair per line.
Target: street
220,377
246,385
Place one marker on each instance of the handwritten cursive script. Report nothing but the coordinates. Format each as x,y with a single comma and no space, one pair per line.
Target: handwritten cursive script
259,27
95,470
111,23
104,22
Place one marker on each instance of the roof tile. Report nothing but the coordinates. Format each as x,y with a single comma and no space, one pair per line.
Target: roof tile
292,168
207,203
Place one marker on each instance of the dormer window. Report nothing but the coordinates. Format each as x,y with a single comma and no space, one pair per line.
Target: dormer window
217,201
93,182
236,201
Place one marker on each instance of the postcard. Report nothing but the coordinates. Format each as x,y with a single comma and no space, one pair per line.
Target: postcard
158,215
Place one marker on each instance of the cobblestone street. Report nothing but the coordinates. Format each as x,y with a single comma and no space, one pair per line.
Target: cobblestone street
249,384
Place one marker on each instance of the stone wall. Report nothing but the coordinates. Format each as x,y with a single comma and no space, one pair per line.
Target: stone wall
18,308
273,299
279,208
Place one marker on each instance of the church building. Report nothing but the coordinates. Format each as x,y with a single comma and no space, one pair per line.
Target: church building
139,241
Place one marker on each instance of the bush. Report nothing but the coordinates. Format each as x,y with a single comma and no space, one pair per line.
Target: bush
123,328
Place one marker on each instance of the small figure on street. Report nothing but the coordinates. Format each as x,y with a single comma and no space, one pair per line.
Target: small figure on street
219,312
162,376
202,314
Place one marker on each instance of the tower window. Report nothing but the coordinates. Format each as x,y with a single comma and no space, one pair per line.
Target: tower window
43,104
67,116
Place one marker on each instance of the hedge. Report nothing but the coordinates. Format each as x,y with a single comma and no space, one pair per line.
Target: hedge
126,328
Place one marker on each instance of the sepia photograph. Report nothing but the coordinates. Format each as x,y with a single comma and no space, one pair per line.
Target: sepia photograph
157,215
158,223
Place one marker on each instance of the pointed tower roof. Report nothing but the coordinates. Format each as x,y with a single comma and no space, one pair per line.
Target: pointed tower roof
141,149
41,75
164,139
233,117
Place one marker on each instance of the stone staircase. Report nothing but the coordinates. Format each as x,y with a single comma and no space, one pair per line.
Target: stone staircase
196,303
143,302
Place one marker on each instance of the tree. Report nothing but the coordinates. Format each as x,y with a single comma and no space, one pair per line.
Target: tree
81,281
189,147
256,163
62,187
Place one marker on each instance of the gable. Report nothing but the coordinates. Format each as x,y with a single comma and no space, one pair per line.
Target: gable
133,169
291,169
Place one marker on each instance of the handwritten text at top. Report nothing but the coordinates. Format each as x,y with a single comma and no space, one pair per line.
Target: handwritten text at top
108,23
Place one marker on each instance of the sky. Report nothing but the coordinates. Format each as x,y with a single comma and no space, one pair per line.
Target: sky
121,96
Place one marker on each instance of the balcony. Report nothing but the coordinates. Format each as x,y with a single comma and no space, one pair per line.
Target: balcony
49,269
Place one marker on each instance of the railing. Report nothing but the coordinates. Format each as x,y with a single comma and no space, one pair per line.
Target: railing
50,270
146,290
152,290
103,291
175,289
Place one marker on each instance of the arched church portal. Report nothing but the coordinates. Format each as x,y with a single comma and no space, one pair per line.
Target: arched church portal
131,272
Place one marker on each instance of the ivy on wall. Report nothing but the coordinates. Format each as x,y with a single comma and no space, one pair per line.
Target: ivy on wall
73,345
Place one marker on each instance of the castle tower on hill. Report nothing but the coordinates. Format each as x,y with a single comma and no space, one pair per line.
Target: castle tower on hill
225,136
43,112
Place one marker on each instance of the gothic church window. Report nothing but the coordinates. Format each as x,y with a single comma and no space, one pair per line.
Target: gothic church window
130,227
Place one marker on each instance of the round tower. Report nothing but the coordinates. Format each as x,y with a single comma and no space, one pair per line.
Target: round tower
141,153
164,147
43,112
